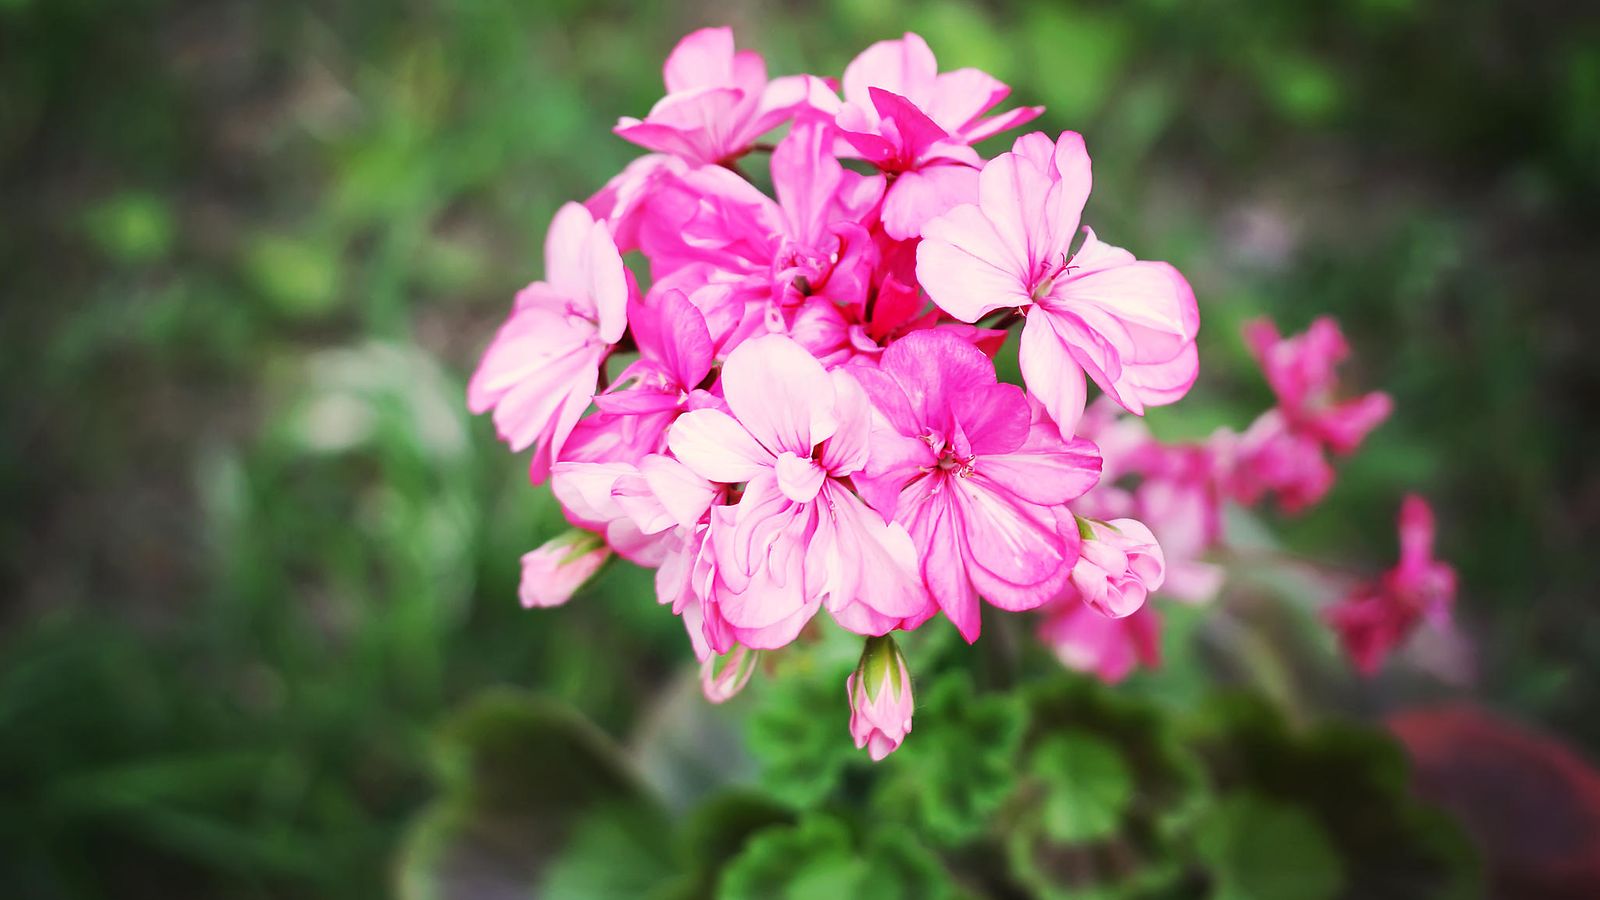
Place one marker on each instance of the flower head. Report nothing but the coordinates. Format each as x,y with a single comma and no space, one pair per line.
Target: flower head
1378,617
1119,565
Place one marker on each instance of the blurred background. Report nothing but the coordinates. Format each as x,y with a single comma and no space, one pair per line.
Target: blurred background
255,551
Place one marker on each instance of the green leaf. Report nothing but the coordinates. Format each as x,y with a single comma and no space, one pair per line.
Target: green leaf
958,765
821,858
1087,786
1258,849
132,227
616,853
800,732
299,276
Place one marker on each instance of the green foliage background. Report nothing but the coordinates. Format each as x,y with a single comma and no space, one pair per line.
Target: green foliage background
255,552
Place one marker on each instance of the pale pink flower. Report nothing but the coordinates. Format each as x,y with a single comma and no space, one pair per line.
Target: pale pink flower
1119,564
624,200
1378,617
558,567
1110,649
1130,324
975,477
798,536
880,698
905,117
540,372
723,677
719,101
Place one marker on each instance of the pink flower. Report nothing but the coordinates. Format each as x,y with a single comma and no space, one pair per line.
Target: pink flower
1119,564
880,698
1378,617
624,199
798,536
1284,450
979,483
540,371
561,565
750,263
675,355
1129,324
903,116
1110,649
723,677
1300,370
719,102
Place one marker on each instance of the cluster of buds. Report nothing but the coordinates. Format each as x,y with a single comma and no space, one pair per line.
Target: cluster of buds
799,409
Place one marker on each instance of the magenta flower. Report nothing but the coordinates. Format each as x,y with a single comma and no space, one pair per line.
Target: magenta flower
880,698
675,356
980,484
798,536
1130,324
540,372
1284,451
1109,649
903,116
554,571
719,102
1378,617
1119,564
1300,370
751,263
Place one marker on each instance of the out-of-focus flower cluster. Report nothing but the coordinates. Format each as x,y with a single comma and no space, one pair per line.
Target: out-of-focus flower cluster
801,411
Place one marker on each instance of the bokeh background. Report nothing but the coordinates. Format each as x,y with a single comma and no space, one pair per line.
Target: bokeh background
254,549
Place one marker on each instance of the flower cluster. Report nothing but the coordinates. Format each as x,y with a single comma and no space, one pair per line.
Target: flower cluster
799,409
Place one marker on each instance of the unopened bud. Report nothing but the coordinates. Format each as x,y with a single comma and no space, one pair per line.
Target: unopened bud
552,573
880,698
721,677
1119,564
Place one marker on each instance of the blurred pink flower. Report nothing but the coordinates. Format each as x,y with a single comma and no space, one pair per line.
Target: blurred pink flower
1110,649
540,372
1129,324
718,101
1378,617
880,698
979,483
798,536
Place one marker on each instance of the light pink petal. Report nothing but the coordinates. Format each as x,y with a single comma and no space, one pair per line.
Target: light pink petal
1151,301
1050,372
961,96
987,128
989,420
582,262
846,451
929,516
1016,543
922,194
799,477
870,562
906,67
716,447
685,495
702,58
1014,193
968,268
780,393
1045,476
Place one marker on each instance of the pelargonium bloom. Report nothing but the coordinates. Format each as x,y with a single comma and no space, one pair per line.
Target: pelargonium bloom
718,101
798,536
1119,564
976,478
751,263
1378,617
1284,451
905,117
1129,324
675,357
540,372
1109,649
555,570
1300,370
880,698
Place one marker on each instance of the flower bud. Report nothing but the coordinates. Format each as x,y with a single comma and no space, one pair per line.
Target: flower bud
880,698
1119,564
552,573
721,677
